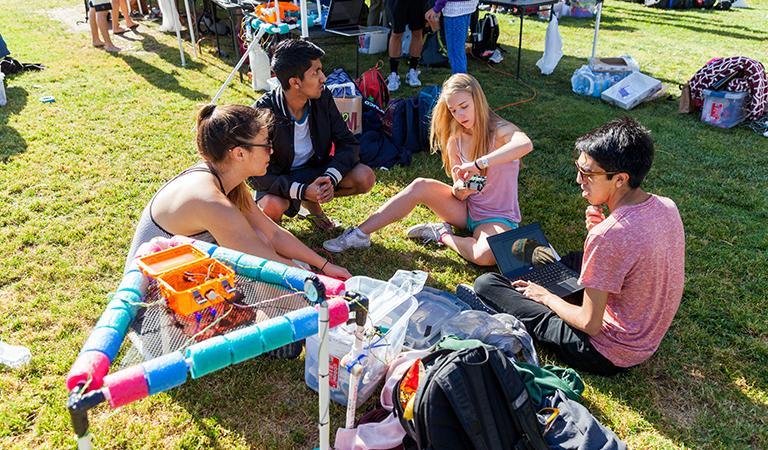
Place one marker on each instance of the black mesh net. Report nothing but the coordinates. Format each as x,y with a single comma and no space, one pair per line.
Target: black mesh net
158,330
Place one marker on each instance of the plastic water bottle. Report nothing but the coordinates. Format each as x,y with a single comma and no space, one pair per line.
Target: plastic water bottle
14,356
3,98
583,81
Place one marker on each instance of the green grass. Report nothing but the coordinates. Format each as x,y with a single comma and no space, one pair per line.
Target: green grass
76,173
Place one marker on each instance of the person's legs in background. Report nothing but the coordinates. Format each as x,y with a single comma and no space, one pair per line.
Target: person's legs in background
456,36
97,18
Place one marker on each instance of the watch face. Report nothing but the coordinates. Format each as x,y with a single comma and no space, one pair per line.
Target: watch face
310,291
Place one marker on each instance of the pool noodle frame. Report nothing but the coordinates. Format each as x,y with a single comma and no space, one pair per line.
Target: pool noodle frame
134,288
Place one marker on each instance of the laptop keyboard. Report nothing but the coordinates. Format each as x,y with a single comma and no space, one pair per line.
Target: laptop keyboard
548,275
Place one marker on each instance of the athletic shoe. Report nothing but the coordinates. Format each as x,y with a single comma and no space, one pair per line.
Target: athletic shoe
350,238
393,82
412,78
468,296
429,232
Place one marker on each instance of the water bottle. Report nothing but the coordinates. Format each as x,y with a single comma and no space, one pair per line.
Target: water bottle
3,98
14,356
583,81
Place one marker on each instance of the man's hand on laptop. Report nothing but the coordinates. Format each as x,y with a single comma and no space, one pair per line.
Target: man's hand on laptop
320,191
533,291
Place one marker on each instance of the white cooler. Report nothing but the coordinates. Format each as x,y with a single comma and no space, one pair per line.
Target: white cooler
632,90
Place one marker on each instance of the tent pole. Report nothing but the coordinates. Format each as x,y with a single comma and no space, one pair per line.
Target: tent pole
177,25
598,13
191,27
236,70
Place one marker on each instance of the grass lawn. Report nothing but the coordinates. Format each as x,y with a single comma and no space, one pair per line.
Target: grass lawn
75,175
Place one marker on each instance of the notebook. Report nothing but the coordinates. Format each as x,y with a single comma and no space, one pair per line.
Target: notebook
513,264
344,18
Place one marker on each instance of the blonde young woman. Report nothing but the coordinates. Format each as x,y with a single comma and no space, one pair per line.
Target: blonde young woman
211,202
474,141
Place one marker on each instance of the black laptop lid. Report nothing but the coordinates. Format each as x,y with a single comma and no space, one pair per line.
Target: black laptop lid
344,14
501,245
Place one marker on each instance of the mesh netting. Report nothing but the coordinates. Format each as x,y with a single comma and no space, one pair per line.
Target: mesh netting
158,330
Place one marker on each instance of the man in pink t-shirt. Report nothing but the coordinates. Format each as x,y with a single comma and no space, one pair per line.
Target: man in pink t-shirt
632,267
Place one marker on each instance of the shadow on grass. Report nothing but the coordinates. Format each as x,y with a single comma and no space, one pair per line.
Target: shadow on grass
166,81
11,142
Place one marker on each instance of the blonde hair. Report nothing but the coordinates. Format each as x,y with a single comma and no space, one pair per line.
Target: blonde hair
219,128
443,125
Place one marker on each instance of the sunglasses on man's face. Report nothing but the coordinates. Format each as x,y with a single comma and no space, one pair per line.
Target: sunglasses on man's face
588,175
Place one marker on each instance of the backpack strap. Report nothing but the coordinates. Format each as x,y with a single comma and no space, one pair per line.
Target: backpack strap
519,404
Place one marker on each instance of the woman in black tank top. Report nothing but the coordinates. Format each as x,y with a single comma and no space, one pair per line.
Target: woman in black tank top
211,201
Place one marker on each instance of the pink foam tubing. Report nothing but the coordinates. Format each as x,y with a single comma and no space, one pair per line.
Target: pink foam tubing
338,312
332,285
92,364
126,386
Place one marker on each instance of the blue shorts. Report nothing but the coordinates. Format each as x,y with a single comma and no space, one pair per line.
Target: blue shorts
471,224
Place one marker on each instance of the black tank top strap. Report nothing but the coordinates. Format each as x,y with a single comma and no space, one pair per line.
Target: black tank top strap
198,168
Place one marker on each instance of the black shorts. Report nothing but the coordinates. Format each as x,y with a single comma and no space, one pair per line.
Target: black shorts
100,5
406,12
304,174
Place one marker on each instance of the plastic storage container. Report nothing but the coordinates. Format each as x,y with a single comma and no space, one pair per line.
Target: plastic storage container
436,307
724,109
390,308
371,43
632,90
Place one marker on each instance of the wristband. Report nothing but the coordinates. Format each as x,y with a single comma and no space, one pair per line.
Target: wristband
478,167
322,269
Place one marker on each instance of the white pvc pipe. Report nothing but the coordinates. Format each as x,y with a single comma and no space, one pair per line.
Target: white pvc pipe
304,24
191,27
324,389
354,377
598,13
232,74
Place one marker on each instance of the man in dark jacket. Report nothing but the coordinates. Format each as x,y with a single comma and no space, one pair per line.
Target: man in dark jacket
316,157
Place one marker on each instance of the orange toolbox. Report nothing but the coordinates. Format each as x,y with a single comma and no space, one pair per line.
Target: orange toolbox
189,279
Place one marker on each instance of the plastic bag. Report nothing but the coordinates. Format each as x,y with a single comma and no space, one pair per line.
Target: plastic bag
553,49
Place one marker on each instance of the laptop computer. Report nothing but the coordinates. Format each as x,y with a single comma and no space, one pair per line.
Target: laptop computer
344,18
515,265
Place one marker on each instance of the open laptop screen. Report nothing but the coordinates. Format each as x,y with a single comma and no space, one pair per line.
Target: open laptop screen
344,14
512,257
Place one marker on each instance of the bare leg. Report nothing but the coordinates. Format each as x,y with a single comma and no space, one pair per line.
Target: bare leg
126,13
417,43
101,21
116,18
94,28
435,195
475,248
359,180
274,207
396,45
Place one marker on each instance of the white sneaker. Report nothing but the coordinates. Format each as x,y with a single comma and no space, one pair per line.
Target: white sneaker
412,78
393,82
350,238
429,232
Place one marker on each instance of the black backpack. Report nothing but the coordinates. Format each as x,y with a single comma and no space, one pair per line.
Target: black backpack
471,399
485,37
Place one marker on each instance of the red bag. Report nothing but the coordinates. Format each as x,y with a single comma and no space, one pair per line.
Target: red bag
373,86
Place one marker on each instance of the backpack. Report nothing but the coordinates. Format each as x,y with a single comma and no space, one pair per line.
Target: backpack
434,53
465,399
401,123
427,99
485,38
373,86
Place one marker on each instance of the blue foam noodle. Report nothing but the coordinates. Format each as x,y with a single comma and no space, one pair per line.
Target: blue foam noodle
303,321
165,372
294,278
106,340
276,333
126,300
245,343
272,272
134,281
118,318
209,356
250,266
227,256
205,247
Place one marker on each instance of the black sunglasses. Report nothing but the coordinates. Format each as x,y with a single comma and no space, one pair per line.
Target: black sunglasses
268,145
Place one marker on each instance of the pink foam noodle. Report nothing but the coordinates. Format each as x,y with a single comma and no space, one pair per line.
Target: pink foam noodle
92,365
126,386
332,285
338,312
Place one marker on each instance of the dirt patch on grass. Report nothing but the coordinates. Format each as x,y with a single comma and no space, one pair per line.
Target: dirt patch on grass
73,18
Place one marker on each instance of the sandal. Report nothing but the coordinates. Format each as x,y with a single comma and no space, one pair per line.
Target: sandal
321,222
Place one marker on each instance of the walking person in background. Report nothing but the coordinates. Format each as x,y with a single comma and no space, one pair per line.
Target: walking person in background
456,16
404,13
